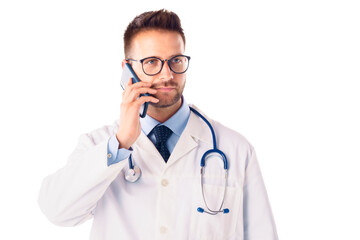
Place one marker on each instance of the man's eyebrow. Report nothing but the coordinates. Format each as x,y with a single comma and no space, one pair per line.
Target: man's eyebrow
166,58
177,54
152,57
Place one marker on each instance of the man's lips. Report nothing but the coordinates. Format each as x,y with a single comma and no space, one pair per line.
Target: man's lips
165,89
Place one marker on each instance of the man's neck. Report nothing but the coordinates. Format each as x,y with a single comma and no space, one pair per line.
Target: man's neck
163,114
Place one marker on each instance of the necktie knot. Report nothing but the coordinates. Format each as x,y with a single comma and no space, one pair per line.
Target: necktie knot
162,134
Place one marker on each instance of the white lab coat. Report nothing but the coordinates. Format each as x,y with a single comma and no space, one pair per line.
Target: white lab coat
163,203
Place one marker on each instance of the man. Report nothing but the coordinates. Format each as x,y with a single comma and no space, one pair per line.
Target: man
167,145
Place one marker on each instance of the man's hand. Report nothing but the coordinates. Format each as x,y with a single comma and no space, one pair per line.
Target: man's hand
129,126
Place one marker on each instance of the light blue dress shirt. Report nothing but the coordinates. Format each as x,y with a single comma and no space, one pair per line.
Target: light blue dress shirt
176,123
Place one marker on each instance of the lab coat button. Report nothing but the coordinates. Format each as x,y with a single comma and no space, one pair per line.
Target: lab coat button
109,155
164,182
163,229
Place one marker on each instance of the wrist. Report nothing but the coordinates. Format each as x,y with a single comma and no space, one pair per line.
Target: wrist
122,143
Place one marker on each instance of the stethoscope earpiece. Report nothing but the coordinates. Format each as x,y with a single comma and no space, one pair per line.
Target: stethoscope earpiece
201,210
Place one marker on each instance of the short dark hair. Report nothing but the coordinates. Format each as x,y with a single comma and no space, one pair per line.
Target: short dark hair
161,19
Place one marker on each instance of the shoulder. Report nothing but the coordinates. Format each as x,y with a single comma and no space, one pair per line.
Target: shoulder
229,137
100,134
237,149
226,137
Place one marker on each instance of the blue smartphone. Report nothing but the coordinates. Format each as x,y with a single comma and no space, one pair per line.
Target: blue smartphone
128,73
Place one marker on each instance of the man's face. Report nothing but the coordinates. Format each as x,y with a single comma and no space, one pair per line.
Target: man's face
164,45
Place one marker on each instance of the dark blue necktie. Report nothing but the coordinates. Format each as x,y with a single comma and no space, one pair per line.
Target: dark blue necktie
162,134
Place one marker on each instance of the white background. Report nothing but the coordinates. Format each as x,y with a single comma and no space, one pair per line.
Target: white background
285,74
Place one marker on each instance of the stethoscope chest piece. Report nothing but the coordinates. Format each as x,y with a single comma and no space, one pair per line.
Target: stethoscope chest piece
132,175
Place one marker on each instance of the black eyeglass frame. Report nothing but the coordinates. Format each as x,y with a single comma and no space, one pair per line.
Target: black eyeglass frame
162,63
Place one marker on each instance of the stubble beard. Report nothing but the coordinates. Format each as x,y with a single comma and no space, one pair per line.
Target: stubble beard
164,103
167,103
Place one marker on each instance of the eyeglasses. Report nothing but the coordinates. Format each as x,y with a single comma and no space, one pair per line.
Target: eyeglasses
153,65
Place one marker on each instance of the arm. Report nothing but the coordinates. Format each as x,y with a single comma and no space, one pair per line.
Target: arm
258,219
69,196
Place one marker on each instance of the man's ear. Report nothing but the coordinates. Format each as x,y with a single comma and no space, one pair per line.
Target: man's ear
123,63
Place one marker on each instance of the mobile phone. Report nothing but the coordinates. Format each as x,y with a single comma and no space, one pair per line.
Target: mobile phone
128,73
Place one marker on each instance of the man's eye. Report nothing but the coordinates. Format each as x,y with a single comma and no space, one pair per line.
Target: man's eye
150,62
176,60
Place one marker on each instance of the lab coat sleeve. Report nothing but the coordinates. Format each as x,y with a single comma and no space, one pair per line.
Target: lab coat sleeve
69,196
259,223
115,154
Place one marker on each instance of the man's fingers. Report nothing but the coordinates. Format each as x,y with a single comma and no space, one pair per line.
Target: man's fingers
134,94
130,85
138,84
145,99
133,91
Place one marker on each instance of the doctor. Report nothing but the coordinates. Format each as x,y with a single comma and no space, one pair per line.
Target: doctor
173,198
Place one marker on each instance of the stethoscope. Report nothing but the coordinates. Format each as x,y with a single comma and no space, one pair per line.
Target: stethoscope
134,172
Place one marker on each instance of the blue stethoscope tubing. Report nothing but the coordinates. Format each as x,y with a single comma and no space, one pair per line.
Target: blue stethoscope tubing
134,172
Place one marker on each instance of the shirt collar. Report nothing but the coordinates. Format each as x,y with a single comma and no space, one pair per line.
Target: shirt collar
176,123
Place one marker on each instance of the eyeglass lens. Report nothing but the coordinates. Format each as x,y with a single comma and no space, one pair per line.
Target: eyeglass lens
178,64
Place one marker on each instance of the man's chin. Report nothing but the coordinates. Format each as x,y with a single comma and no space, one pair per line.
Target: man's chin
164,103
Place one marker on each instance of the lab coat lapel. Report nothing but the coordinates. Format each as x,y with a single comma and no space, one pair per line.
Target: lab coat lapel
194,131
150,158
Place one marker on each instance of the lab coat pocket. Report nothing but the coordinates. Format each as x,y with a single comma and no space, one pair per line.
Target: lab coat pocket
219,226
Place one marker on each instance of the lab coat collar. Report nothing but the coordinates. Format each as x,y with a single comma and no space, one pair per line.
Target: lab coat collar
196,130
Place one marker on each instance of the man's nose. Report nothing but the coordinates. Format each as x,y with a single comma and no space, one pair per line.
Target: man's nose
165,72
